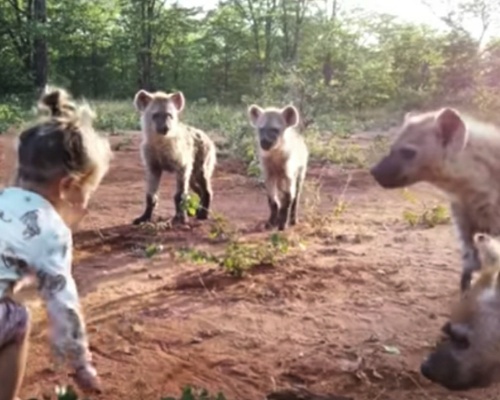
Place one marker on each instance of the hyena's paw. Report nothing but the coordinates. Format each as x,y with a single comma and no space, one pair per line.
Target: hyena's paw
140,220
270,225
282,226
179,219
202,214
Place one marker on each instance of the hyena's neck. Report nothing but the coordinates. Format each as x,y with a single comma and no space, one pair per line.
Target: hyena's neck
475,171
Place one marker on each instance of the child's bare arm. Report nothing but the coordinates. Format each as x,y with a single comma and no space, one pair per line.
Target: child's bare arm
69,339
58,289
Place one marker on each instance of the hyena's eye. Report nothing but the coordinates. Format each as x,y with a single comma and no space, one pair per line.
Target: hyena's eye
456,335
407,153
169,116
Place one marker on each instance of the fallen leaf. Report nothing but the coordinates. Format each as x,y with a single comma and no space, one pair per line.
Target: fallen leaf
392,350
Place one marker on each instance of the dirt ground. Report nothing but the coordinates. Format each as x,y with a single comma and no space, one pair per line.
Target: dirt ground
352,311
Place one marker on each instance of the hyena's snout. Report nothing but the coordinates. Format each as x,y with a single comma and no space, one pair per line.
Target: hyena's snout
388,173
162,125
162,129
266,144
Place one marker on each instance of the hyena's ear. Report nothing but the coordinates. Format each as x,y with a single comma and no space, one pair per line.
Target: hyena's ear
142,99
254,113
452,131
459,332
291,116
178,100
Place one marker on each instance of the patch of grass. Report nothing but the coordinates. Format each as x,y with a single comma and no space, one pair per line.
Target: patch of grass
188,393
195,255
220,228
239,257
319,221
113,116
153,249
426,216
331,149
124,142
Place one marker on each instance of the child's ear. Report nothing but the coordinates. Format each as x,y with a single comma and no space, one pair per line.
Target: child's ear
71,190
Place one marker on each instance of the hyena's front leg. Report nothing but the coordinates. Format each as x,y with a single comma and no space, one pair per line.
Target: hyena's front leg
181,194
206,195
272,195
289,193
153,177
296,199
470,257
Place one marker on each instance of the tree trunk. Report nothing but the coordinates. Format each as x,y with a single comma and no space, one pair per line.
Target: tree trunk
40,49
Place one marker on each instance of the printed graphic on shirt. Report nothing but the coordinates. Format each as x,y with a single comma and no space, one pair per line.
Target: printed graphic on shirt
3,218
50,284
30,220
13,261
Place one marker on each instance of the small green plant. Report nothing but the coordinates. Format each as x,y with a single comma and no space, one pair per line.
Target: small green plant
190,204
188,393
152,250
239,257
195,255
426,216
220,228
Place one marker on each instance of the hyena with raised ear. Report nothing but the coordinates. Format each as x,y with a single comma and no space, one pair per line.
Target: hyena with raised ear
171,146
468,355
458,155
283,158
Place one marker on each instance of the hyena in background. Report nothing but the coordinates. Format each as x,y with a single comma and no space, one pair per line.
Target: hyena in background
468,356
458,155
169,145
283,158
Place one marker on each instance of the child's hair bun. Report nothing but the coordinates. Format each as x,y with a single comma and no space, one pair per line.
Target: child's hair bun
57,101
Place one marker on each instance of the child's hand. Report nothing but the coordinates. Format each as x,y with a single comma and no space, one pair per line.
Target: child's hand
87,380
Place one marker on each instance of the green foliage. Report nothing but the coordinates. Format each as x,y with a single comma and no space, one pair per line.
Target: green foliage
239,257
426,216
191,204
188,393
329,65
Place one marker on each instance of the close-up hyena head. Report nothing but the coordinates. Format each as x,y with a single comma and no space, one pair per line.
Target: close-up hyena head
159,110
424,143
271,123
488,249
468,356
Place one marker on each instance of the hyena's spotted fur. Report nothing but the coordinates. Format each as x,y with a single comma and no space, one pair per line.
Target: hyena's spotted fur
171,146
283,157
458,155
